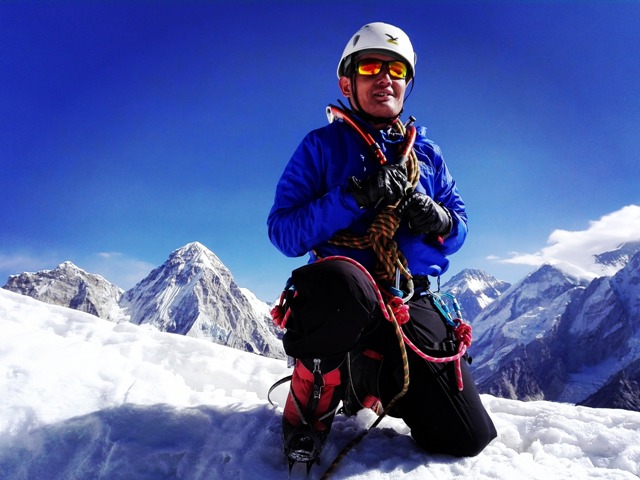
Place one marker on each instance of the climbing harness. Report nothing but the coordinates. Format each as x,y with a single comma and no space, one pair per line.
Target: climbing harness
397,312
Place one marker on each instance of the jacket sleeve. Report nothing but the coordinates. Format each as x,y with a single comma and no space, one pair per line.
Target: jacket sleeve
309,205
438,182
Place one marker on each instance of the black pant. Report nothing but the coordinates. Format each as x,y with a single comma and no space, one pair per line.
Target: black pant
336,309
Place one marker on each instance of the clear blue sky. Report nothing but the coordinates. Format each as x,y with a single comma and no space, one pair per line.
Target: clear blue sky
128,129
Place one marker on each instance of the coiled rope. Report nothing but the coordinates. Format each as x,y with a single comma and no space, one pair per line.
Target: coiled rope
379,236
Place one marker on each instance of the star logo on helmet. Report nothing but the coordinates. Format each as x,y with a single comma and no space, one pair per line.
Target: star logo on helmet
392,39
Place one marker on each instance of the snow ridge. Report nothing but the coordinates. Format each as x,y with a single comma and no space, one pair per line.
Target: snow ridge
88,398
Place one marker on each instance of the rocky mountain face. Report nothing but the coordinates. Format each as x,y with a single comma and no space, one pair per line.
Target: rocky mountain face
70,286
610,262
475,290
604,320
192,293
555,337
507,348
621,391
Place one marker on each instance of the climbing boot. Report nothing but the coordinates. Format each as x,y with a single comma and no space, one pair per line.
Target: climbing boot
363,370
317,388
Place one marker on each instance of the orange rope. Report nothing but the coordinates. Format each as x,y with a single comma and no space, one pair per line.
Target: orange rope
379,236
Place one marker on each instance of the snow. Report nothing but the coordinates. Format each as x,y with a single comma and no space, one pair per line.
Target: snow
476,284
261,308
82,397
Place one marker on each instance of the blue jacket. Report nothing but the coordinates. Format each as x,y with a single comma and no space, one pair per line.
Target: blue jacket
312,200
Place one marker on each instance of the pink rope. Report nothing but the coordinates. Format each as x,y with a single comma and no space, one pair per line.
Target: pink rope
280,316
401,311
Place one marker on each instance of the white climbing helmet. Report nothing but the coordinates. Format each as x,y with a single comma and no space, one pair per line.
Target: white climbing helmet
379,37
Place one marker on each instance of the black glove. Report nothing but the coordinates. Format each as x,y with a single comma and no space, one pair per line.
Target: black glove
424,215
385,187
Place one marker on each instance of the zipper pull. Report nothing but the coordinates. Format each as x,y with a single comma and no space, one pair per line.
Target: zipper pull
318,380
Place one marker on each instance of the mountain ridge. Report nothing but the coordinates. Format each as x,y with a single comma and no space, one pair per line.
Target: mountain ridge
192,293
69,286
557,337
541,338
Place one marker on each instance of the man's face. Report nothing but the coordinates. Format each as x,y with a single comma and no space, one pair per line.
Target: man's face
379,95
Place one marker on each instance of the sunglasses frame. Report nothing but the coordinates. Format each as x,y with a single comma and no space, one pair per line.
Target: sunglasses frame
383,64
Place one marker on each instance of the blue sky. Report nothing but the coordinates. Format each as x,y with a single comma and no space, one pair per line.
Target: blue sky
128,129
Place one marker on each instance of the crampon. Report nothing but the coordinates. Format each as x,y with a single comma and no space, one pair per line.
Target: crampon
304,445
316,390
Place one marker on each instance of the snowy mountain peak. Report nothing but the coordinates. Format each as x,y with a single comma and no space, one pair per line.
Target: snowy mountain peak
70,286
612,261
557,337
476,281
626,283
197,255
193,293
471,273
475,289
549,279
68,266
195,251
534,293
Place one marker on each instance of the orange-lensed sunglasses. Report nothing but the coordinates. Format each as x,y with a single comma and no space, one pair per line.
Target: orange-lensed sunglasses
368,67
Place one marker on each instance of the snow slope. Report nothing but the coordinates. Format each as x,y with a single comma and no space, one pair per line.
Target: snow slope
82,398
